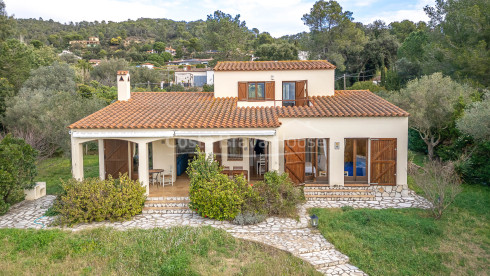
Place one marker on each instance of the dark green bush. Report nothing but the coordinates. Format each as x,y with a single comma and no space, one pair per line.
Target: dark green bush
280,196
17,170
476,169
96,200
213,194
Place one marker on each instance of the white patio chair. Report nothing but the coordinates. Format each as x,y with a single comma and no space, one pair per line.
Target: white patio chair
167,178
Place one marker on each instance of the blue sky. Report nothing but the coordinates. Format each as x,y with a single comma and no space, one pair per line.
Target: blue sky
278,17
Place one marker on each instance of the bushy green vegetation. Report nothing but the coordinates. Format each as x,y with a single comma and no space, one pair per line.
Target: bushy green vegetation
213,194
17,170
408,242
93,199
174,251
280,196
56,169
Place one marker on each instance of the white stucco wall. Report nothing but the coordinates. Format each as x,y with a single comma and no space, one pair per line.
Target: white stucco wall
164,157
320,82
337,129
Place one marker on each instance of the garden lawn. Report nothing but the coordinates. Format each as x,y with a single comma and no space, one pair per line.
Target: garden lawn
51,170
409,242
174,251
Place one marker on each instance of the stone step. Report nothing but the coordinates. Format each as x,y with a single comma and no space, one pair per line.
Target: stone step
166,204
167,210
163,198
316,185
325,258
356,185
341,196
338,190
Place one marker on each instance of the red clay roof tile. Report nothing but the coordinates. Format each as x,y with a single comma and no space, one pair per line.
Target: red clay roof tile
202,110
273,65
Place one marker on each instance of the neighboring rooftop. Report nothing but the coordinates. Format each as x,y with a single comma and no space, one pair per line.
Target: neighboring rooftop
273,65
203,110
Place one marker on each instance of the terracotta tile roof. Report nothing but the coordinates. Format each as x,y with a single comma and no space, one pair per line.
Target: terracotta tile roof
344,103
178,110
273,65
202,110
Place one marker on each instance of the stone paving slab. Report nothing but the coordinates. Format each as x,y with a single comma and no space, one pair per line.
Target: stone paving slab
287,234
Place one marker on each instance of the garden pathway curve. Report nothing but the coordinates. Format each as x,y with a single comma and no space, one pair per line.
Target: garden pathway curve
286,234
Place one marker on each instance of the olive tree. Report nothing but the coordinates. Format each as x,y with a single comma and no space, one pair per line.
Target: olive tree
17,170
476,120
42,116
431,102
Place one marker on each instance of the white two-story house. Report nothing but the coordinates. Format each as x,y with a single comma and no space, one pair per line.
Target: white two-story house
263,115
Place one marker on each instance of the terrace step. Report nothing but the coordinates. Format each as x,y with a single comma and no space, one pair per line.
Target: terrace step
167,210
327,197
337,190
356,185
341,196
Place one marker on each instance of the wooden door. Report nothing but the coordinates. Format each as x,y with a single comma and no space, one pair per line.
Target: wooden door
294,159
383,161
116,157
300,93
217,152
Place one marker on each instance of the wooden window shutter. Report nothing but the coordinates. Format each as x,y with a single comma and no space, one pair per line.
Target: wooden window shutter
270,90
383,161
242,91
300,93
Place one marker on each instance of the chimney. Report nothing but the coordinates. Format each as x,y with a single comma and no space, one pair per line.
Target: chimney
123,86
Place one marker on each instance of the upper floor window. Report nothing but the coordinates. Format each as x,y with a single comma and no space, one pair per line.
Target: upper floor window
288,93
256,90
294,93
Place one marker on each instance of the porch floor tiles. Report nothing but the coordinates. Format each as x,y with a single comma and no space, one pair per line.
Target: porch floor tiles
179,189
286,234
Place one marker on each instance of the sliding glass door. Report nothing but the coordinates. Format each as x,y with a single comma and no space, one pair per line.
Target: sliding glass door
355,160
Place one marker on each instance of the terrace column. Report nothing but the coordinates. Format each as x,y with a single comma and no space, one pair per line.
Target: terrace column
143,173
208,147
274,155
77,159
101,159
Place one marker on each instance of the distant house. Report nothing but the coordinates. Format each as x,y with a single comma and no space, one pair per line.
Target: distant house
170,50
94,62
188,76
303,55
148,65
192,61
69,53
91,42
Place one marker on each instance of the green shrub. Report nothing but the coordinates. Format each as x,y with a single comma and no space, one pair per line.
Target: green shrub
212,194
279,194
17,170
96,200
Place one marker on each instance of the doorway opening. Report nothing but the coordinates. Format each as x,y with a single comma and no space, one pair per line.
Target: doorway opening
355,160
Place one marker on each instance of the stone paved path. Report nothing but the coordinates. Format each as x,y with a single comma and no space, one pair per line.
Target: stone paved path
286,234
